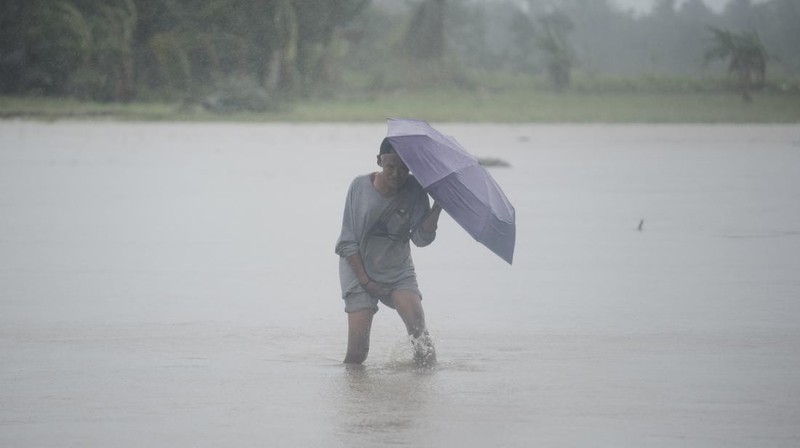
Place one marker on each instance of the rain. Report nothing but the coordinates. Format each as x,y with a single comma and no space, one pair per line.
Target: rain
173,177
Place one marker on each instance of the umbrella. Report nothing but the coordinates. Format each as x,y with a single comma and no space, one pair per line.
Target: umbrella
458,182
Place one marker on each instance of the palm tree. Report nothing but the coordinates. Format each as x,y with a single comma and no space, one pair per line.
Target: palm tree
746,55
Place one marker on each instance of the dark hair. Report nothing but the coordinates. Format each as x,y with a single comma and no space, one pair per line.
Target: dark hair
386,147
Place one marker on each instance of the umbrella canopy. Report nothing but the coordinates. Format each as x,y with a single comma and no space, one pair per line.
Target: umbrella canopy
458,182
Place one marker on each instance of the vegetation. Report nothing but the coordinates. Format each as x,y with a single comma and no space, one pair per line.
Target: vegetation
554,41
746,55
516,101
117,50
275,58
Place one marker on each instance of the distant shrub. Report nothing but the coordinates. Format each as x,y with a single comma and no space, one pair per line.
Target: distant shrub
240,95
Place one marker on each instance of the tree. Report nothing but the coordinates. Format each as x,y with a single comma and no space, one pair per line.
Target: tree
79,47
746,55
12,45
320,23
425,37
113,23
55,39
554,41
523,38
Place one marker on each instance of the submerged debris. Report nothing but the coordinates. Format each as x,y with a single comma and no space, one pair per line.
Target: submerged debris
493,162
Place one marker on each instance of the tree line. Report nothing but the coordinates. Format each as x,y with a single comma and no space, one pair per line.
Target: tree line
120,50
592,37
116,49
671,39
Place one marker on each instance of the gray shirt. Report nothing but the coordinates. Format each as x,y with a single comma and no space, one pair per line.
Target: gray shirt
379,228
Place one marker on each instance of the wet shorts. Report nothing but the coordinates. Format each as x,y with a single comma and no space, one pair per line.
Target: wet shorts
361,300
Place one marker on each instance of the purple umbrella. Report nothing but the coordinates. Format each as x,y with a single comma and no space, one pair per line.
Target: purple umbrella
458,182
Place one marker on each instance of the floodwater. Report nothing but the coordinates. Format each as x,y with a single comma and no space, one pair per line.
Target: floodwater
175,285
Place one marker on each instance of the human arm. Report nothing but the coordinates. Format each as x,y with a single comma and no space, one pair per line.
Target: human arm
348,242
431,222
425,232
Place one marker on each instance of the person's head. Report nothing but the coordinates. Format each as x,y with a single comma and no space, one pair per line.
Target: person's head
394,170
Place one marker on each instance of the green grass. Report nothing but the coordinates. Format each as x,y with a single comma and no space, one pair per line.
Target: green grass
500,105
49,108
524,106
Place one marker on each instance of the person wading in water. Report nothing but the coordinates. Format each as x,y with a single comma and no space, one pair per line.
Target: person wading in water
385,211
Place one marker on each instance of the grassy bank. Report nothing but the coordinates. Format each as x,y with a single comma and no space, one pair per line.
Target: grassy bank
501,106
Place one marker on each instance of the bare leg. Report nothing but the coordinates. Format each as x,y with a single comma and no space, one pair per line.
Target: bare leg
359,324
409,306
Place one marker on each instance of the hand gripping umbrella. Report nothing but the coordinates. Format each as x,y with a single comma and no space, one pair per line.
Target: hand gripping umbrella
458,182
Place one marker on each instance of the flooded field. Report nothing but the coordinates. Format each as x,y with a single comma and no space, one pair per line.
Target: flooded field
175,285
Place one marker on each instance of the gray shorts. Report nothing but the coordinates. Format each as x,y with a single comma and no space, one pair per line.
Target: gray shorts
361,300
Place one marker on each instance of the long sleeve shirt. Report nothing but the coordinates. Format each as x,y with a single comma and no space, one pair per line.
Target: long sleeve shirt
379,229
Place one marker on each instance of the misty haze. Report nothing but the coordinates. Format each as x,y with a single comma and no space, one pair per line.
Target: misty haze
173,176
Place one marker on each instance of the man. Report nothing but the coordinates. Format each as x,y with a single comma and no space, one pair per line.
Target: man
384,211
